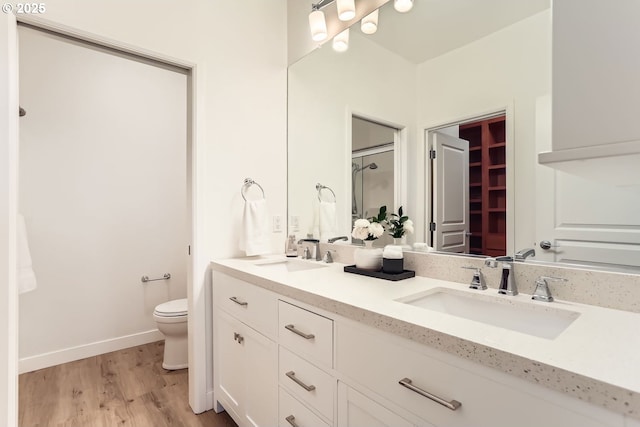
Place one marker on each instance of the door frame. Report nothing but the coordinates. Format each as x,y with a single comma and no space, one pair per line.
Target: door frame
199,331
508,111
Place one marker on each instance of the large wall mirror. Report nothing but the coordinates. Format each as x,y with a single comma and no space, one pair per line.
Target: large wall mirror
435,69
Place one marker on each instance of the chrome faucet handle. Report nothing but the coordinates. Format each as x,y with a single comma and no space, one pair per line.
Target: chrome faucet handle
328,258
543,292
306,253
491,262
478,279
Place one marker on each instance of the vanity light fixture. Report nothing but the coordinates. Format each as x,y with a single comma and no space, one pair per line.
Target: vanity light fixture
346,9
369,23
341,41
402,5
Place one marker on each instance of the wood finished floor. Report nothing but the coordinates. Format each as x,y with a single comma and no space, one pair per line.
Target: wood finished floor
124,388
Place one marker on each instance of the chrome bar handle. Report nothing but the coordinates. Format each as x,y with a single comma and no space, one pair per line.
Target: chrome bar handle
451,404
292,420
145,279
293,329
237,301
292,376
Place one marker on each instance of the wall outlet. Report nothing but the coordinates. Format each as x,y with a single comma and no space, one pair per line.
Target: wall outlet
295,223
277,223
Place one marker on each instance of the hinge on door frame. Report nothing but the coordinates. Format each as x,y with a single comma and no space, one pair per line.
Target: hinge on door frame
189,250
432,154
432,226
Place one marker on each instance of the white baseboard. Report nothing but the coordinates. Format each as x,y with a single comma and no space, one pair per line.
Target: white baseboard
53,358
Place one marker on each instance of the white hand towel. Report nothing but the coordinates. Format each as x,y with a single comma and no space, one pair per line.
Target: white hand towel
26,276
254,235
327,220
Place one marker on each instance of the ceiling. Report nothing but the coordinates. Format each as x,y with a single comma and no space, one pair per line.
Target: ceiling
434,27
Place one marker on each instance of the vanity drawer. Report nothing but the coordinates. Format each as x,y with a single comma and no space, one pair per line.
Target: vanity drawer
380,362
306,333
248,303
306,382
294,413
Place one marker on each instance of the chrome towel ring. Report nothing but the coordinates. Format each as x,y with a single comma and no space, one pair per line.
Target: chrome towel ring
321,187
248,182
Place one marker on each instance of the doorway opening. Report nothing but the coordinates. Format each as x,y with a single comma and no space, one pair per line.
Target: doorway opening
467,194
109,189
373,172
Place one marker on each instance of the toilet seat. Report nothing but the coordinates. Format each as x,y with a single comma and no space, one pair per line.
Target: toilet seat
174,308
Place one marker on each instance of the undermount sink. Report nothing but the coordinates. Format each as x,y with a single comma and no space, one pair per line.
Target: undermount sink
535,319
289,265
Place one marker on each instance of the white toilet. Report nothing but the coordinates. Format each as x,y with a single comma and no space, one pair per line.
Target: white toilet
171,318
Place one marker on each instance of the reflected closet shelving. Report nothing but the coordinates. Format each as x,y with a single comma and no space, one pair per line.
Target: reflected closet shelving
487,185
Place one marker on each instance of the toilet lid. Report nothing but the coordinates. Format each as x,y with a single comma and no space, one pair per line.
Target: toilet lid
177,307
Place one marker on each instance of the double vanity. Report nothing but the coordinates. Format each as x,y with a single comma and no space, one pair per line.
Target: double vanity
302,343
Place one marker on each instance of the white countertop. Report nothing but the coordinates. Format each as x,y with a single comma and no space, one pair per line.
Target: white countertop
596,359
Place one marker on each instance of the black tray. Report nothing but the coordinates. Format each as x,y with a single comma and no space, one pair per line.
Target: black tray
380,274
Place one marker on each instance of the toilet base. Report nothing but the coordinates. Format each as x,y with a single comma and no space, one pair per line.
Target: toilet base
175,353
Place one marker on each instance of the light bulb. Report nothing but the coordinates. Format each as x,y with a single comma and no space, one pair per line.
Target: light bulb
318,25
403,5
369,23
346,9
341,41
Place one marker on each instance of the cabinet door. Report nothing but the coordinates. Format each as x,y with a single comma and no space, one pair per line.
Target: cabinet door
261,376
230,363
357,410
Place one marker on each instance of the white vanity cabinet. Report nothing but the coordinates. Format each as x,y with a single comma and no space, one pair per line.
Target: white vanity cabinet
245,357
444,394
280,362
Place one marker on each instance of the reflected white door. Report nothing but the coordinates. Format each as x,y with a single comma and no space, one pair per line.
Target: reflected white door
450,193
583,220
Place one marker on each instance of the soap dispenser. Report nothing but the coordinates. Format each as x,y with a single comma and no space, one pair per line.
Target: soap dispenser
291,249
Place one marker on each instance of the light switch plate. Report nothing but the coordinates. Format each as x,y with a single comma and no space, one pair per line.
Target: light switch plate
277,223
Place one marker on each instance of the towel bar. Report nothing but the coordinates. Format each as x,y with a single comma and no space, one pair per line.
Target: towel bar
145,279
321,187
248,182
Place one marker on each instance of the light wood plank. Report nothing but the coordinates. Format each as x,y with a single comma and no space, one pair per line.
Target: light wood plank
127,387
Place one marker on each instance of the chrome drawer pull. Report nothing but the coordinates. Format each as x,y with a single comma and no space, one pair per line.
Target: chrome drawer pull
292,420
297,332
453,404
237,301
292,375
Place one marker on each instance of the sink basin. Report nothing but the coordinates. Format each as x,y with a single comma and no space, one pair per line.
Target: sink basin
289,265
535,319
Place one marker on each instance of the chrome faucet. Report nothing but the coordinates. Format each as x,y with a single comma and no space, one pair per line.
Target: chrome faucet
306,252
507,281
335,239
523,254
543,292
477,282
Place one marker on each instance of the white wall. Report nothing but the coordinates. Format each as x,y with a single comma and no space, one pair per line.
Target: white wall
325,89
103,190
8,208
239,52
509,67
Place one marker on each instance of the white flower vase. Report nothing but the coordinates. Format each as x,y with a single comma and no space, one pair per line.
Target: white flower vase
368,258
402,242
